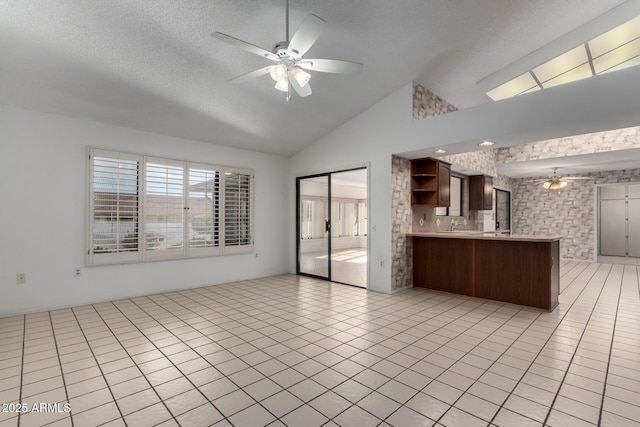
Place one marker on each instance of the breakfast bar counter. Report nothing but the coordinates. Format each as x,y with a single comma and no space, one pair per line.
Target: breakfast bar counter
519,269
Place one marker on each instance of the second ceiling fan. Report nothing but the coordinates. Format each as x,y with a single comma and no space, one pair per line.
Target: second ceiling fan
290,68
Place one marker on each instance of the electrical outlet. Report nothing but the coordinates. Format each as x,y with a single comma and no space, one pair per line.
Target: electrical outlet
382,263
76,272
21,278
256,255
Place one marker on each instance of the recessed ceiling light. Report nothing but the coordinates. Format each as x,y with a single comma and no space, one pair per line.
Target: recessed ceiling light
440,151
486,144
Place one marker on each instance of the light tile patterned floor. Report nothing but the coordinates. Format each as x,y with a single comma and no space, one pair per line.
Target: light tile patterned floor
295,351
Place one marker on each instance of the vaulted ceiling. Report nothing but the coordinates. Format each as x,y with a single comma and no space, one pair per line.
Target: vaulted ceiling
152,65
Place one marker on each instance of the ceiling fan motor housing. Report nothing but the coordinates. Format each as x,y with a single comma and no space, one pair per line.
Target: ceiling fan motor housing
281,49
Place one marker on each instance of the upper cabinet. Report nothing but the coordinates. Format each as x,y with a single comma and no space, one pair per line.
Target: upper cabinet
480,193
430,180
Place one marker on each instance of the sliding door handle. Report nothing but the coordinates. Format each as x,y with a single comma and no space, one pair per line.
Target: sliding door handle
327,226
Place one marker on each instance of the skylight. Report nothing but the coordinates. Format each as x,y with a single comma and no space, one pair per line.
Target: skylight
616,49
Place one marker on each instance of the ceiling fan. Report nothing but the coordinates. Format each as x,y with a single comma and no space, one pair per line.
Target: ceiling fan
555,181
289,68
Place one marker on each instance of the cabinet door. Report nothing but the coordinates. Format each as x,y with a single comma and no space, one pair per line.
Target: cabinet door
488,193
444,182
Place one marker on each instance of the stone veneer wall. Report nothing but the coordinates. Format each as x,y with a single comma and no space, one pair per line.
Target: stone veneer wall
568,212
483,161
427,104
402,261
620,139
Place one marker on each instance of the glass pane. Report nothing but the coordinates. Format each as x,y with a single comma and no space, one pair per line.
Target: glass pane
115,205
521,84
581,72
561,64
237,209
164,208
348,247
614,38
617,56
455,209
313,223
204,208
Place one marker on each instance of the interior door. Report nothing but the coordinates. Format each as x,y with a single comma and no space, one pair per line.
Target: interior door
633,220
314,226
613,231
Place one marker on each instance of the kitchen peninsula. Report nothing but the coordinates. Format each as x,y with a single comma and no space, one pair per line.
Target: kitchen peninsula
519,269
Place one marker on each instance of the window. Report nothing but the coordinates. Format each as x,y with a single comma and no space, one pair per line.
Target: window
455,209
148,208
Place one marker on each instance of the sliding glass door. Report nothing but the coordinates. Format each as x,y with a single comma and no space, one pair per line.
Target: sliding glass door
313,226
332,226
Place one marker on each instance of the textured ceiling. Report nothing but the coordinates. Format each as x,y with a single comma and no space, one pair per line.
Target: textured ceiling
151,64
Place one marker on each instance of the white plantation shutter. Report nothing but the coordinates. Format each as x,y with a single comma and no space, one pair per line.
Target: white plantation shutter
238,210
164,209
114,207
149,208
204,201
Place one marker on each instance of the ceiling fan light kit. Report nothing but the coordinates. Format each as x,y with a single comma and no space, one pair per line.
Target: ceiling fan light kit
556,182
288,55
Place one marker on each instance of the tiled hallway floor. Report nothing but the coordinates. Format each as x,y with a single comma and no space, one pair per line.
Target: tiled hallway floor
295,351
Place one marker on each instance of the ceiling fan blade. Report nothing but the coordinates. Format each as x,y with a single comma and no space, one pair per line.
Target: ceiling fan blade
305,36
244,45
252,75
565,178
331,66
302,91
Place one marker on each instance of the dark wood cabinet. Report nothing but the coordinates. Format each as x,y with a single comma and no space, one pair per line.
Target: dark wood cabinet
514,271
430,181
480,192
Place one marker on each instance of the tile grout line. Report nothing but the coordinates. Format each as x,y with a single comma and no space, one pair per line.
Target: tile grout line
613,334
542,348
586,325
463,301
24,339
136,365
97,363
175,366
64,383
486,302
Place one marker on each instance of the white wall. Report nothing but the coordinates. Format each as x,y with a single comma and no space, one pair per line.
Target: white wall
43,208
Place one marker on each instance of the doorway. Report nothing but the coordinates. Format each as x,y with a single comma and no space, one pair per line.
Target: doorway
332,226
502,210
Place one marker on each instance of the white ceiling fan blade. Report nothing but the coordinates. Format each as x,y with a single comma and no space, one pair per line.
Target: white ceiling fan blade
244,45
566,178
305,36
302,91
252,75
331,66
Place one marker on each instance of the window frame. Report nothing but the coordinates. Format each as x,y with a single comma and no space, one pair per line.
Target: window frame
142,224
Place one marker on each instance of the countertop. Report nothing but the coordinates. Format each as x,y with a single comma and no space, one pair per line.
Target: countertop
479,235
